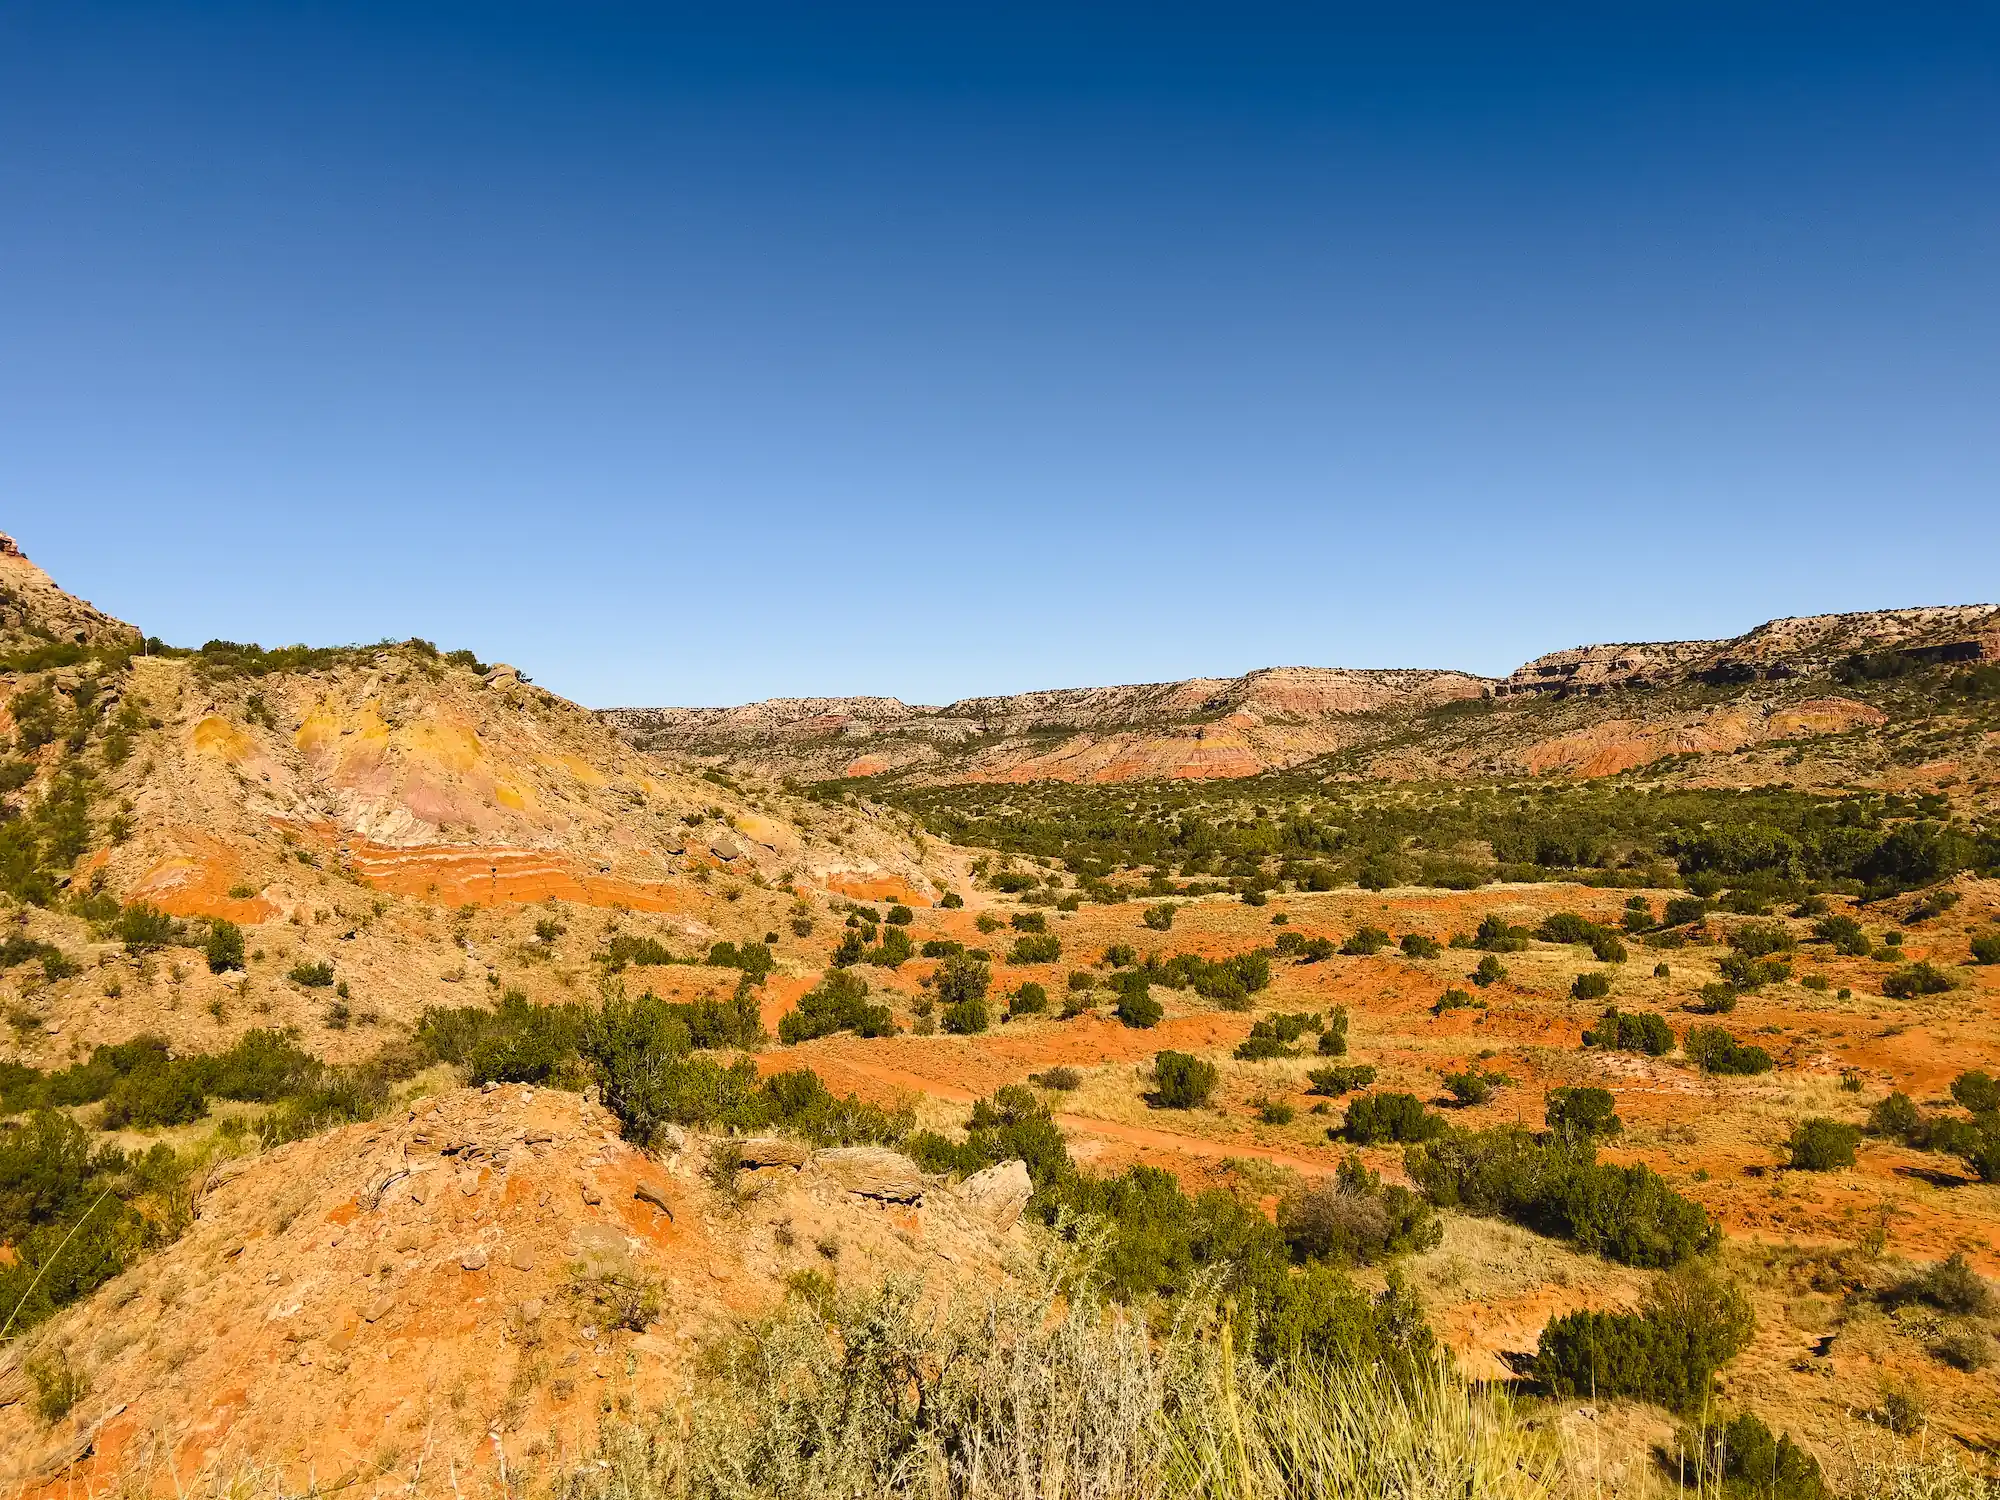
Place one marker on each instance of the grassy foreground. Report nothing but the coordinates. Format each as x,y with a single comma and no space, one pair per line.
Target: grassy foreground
1056,1394
1052,1393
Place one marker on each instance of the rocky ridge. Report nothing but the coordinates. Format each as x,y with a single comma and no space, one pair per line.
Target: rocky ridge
34,611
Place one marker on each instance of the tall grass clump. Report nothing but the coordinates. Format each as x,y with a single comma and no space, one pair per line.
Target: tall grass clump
1047,1392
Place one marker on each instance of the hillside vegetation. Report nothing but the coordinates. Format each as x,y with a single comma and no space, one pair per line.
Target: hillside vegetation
1317,1083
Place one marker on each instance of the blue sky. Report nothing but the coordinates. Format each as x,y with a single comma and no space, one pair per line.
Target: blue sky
699,355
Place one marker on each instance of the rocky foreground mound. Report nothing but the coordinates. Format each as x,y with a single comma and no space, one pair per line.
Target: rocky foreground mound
461,1292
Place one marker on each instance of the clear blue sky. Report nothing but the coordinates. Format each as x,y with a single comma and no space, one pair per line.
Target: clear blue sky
686,356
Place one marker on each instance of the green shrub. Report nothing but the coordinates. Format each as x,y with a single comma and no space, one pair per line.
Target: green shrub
1978,1091
312,974
1120,956
800,1102
59,1385
1453,999
1496,936
1685,911
1081,981
1965,1349
262,1067
1160,918
1740,1460
1273,1037
1333,1039
1594,986
1136,1005
1586,1112
1632,1031
1230,982
1606,949
1489,971
631,948
896,948
1182,1081
960,978
1714,1050
1417,945
839,1002
1917,979
1567,927
1691,1324
1818,1144
1341,1078
1978,1144
1366,942
1950,1286
1012,1125
1714,1000
900,916
1353,1220
151,1097
1029,1000
1638,915
756,961
1756,939
1747,973
1473,1087
1374,1118
65,1212
1844,933
965,1018
515,1042
1037,949
224,948
141,927
639,1049
941,948
1554,1185
1029,921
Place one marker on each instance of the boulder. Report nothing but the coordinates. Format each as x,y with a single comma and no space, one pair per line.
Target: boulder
997,1195
725,846
873,1172
762,830
773,1151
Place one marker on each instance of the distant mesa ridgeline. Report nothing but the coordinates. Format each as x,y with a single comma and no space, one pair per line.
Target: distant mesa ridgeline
1222,727
1301,693
1806,646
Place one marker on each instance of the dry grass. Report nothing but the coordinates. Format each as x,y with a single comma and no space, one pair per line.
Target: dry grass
1050,1395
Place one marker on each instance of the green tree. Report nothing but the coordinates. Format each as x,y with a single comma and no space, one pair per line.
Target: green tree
224,948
